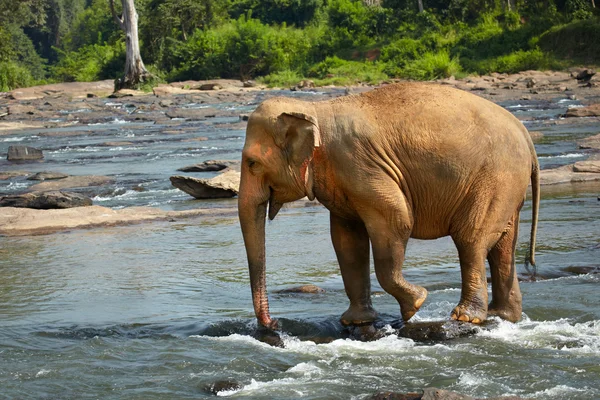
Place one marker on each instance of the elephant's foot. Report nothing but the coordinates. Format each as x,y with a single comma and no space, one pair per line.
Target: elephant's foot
469,312
415,301
509,312
355,315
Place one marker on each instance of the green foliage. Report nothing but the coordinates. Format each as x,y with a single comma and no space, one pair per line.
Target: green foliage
432,66
89,63
13,75
331,41
517,61
285,78
241,49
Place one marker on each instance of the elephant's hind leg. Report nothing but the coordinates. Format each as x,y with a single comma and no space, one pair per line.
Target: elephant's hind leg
351,244
506,294
474,296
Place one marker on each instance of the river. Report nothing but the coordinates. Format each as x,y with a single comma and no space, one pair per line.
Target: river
162,310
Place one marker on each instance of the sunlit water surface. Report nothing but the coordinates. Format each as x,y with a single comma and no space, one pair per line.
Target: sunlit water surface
160,311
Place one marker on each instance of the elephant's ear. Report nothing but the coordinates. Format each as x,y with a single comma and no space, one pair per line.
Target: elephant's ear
302,136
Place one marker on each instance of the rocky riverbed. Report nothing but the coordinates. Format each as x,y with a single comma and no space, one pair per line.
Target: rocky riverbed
120,309
67,112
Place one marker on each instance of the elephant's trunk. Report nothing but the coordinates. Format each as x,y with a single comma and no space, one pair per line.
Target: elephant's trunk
252,208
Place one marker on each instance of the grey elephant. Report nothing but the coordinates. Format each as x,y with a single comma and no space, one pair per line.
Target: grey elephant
407,160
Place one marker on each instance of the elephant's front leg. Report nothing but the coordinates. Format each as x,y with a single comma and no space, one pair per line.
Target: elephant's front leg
351,244
389,236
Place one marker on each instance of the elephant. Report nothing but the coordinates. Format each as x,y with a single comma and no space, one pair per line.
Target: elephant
406,160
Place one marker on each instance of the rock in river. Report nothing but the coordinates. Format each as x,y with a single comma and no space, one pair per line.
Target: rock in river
222,186
210,166
71,182
302,289
589,111
46,200
432,393
24,153
47,175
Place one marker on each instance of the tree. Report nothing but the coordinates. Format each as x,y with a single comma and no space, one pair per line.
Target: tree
420,5
135,71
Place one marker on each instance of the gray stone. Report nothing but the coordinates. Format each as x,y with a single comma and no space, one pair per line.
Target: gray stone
46,200
210,166
24,153
437,330
12,174
222,186
47,175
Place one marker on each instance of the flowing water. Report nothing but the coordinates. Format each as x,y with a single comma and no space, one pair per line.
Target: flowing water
162,310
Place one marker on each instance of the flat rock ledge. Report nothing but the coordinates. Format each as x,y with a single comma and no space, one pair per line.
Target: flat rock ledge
46,200
26,221
433,394
222,186
581,171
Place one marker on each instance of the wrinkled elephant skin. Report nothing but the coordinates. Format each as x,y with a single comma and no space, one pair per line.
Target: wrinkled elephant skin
406,160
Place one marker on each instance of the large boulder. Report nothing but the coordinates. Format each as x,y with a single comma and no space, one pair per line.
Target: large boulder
591,143
46,200
211,166
582,171
588,111
222,186
24,153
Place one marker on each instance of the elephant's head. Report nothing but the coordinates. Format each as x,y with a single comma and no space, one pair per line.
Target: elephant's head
277,167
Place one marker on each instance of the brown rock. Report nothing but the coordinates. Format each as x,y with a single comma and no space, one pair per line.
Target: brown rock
592,142
587,166
46,200
191,113
222,186
24,153
5,175
208,86
115,144
589,111
71,182
302,289
567,173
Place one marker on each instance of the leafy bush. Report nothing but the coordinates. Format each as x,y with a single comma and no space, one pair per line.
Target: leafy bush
517,61
432,66
281,79
90,63
13,75
242,49
579,41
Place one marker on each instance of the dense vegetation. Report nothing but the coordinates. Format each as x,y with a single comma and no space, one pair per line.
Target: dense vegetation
282,41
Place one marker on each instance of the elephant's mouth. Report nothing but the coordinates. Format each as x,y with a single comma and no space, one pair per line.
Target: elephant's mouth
274,205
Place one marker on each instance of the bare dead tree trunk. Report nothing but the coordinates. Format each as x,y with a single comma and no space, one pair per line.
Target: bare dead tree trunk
420,5
593,4
135,71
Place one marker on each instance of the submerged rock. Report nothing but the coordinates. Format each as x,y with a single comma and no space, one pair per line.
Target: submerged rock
302,289
222,186
24,153
437,330
71,182
222,386
433,394
46,200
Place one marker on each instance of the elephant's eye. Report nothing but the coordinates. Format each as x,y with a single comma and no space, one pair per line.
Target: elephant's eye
251,163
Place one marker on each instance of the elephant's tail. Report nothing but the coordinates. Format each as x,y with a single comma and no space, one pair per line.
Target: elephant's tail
535,199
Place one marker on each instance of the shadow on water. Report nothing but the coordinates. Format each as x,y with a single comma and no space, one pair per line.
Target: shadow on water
319,332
